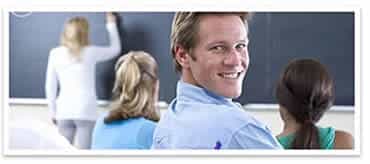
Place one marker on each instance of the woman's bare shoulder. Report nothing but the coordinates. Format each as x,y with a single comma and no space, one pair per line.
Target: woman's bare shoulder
343,140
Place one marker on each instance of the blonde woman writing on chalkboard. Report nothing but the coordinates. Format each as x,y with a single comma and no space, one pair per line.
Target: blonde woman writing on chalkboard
72,66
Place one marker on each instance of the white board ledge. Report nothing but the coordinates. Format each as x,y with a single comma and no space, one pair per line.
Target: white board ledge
162,105
32,101
339,108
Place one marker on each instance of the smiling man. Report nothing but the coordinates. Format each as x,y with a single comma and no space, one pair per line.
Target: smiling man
210,52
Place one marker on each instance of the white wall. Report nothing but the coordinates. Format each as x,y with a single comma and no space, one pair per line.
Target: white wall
343,120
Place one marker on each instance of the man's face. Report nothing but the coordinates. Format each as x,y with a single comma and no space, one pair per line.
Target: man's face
220,57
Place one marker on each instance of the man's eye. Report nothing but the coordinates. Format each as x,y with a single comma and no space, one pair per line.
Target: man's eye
241,45
217,48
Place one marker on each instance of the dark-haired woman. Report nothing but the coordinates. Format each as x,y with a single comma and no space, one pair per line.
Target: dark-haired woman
305,92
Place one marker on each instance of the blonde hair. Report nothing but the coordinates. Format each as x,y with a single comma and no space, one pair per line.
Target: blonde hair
134,87
75,36
185,29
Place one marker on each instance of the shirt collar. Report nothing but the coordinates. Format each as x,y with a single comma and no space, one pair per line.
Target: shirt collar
190,93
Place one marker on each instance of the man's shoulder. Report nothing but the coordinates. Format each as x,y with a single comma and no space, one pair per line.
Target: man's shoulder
224,115
238,113
239,118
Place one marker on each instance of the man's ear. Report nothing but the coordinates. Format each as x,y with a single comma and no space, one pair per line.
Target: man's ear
182,56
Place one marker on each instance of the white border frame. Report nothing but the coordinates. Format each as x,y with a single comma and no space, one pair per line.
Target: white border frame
151,6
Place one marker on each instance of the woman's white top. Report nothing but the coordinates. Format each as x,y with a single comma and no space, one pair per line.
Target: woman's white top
77,98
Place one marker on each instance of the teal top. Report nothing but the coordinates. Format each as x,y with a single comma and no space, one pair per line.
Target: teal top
326,135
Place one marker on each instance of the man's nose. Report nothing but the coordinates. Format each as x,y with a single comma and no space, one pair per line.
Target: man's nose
234,58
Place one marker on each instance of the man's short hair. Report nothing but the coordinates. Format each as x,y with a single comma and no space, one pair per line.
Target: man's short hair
185,30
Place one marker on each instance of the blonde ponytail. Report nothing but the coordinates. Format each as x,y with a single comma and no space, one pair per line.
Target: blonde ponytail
134,88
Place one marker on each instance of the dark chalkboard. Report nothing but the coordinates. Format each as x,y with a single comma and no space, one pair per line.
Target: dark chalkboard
275,39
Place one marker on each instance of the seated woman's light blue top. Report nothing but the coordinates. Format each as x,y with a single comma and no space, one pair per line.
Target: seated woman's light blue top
133,133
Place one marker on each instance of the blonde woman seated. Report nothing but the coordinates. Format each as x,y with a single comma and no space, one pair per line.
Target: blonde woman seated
131,122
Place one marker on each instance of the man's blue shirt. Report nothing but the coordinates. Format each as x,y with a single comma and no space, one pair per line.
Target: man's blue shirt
200,119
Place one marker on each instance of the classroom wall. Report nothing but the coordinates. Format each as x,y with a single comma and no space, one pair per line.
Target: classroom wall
343,120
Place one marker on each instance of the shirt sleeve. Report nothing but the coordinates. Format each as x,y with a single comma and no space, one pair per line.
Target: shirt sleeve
102,53
253,137
51,86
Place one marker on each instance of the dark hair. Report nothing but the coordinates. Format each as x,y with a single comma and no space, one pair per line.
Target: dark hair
306,91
